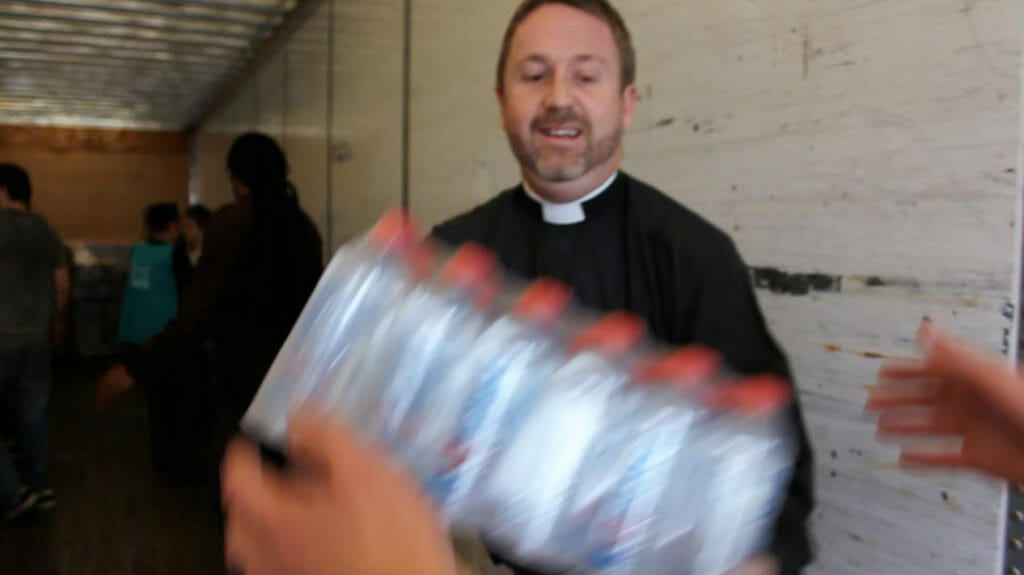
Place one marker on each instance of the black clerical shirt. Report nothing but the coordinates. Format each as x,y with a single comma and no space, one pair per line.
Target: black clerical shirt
639,250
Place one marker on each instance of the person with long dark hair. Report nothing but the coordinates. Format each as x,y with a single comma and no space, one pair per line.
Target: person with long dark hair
262,256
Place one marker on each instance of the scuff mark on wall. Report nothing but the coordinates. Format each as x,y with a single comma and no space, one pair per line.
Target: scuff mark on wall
806,52
834,348
809,51
888,281
778,281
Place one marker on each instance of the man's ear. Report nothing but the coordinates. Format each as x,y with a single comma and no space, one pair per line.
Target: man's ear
628,105
499,94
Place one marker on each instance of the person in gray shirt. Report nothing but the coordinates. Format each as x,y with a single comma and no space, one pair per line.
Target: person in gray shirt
34,282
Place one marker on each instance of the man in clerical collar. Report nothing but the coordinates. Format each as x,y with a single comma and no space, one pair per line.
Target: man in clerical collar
565,85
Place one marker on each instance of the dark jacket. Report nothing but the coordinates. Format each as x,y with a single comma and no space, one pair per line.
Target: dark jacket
243,297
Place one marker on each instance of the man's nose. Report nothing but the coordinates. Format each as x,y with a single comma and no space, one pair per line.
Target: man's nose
559,93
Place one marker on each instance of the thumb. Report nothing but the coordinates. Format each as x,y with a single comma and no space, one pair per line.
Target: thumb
319,447
251,490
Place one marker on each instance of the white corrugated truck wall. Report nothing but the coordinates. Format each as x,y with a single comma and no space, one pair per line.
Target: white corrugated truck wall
864,155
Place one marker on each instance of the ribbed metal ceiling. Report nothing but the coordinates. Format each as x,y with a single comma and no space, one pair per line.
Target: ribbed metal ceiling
124,63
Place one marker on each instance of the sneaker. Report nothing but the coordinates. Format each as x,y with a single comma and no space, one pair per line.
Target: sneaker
46,499
25,502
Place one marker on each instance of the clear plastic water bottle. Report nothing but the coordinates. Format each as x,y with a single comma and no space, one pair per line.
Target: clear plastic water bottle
645,516
626,513
410,355
475,413
547,453
748,437
363,279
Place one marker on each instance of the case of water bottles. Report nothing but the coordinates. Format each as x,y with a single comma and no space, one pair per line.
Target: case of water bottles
567,440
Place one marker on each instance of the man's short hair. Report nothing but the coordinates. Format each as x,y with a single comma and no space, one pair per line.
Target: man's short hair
15,180
599,8
160,216
199,214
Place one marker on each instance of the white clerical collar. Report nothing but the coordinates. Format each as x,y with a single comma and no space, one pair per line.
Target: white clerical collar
569,212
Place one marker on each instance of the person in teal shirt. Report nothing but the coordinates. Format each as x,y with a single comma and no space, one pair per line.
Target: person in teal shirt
150,297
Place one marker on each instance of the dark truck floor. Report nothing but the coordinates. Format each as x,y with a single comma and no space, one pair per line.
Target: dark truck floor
115,515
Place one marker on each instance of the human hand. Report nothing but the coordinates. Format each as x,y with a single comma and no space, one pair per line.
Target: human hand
763,565
113,384
955,390
57,332
344,508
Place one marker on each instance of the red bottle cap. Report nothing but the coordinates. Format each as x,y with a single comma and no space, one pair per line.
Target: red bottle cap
685,367
543,302
614,335
472,269
758,395
393,231
420,259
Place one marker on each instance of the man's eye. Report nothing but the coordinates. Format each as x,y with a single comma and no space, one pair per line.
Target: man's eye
533,77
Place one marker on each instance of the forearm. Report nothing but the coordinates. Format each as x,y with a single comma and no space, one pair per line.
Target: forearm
62,289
